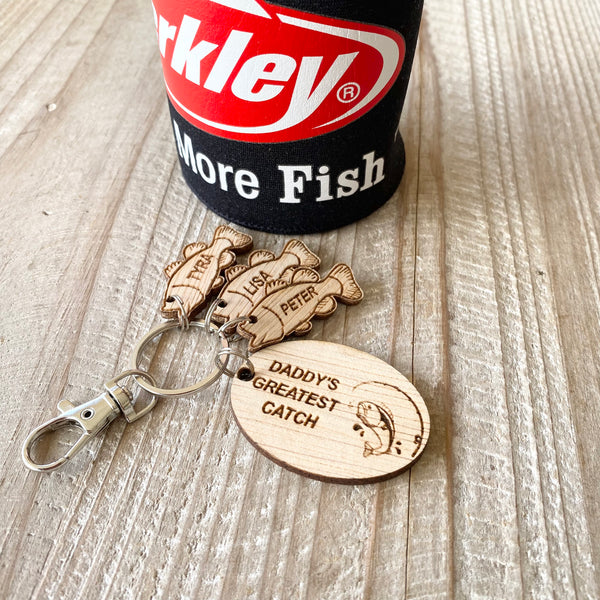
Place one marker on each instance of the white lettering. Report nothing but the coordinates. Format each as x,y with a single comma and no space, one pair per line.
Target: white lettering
246,179
184,147
227,60
206,168
303,102
270,67
186,57
165,32
370,166
263,77
223,170
292,184
324,184
347,183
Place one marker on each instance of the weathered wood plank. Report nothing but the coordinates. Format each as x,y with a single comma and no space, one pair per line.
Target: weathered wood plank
485,295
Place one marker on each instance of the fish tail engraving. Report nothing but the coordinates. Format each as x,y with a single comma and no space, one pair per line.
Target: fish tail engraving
351,292
239,241
306,258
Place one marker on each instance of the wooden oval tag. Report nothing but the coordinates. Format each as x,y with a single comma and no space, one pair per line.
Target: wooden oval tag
331,412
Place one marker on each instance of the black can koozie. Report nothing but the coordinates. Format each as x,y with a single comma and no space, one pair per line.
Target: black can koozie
286,114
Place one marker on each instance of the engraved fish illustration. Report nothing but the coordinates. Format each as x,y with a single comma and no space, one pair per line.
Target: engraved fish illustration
288,307
193,278
380,421
247,284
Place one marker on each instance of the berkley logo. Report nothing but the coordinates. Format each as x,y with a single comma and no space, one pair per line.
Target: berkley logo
252,71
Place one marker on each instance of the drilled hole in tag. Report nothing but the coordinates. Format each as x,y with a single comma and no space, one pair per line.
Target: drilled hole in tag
245,374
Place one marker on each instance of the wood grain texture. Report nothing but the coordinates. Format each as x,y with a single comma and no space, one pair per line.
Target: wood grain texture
330,412
192,279
289,305
485,295
247,283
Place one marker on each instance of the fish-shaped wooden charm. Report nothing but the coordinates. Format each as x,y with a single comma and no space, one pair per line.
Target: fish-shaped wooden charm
247,284
193,278
288,307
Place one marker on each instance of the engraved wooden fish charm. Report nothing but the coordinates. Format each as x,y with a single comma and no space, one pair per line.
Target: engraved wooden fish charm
289,307
193,278
247,284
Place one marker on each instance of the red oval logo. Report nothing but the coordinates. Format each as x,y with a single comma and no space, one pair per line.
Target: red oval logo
257,72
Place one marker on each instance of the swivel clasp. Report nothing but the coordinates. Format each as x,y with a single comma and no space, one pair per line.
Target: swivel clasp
91,418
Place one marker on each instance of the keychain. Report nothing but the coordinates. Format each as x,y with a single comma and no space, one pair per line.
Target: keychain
324,410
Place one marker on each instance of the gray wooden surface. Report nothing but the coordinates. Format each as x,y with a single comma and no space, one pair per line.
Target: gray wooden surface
481,278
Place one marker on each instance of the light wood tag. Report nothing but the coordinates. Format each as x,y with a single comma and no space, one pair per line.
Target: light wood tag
247,285
288,306
193,278
331,412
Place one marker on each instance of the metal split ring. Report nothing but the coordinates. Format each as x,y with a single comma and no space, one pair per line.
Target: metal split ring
236,336
208,380
184,320
233,352
217,302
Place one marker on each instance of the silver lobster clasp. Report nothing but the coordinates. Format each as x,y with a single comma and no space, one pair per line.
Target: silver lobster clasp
92,418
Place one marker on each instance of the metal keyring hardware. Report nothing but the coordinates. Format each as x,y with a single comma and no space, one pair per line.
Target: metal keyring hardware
184,320
217,303
91,418
232,324
160,329
233,352
127,408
